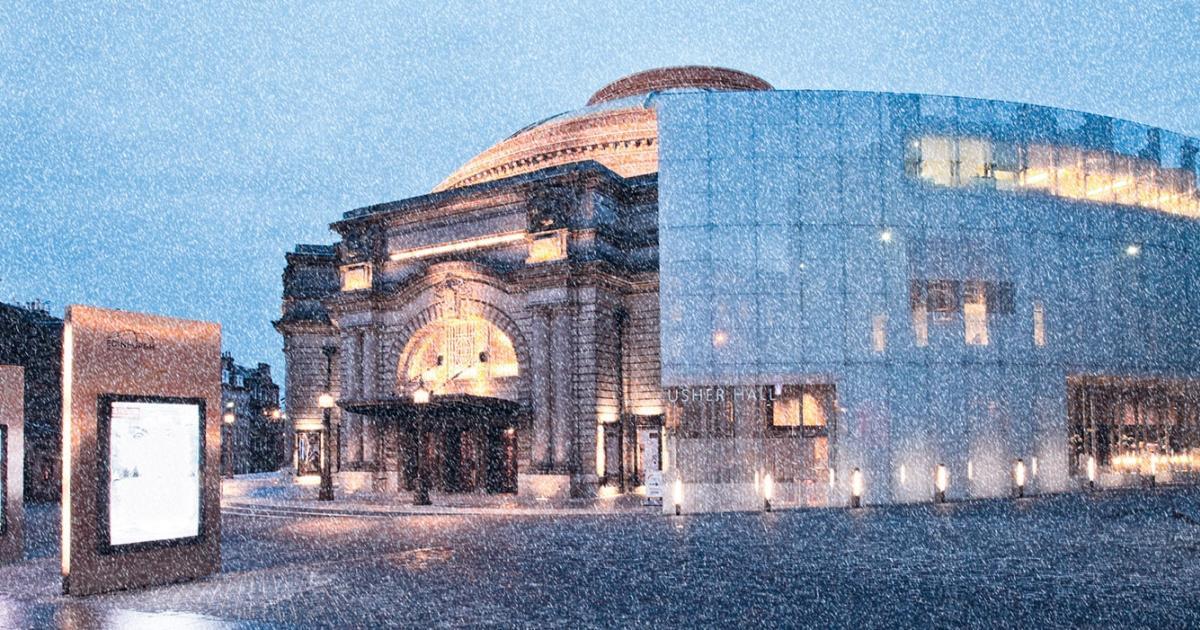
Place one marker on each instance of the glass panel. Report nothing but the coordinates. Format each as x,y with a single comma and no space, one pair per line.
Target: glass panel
1098,176
937,160
975,162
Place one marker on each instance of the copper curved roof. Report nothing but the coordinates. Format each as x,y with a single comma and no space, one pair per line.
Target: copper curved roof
618,128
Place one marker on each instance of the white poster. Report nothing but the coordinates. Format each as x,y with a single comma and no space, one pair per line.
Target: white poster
154,486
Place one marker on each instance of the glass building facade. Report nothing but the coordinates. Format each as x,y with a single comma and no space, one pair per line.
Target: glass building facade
938,267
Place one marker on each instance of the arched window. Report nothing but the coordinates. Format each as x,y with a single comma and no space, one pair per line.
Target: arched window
467,355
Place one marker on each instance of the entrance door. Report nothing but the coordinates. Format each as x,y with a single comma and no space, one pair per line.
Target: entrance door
501,460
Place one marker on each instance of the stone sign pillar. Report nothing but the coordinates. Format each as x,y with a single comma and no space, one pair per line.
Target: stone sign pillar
12,463
141,450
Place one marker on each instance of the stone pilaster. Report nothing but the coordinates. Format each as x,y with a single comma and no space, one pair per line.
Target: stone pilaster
562,375
540,354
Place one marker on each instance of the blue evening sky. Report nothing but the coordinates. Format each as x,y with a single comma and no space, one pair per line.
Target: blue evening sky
163,159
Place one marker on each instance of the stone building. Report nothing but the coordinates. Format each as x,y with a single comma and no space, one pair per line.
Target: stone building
752,293
32,338
255,435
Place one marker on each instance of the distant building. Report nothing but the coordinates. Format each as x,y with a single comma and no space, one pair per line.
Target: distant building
32,338
254,441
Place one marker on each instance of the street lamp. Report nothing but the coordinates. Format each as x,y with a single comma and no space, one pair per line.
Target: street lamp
1091,472
325,402
768,489
856,488
941,482
229,418
421,492
1019,478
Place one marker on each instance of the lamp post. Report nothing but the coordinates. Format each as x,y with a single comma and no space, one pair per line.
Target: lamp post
421,491
768,490
228,419
941,481
325,402
856,488
1019,478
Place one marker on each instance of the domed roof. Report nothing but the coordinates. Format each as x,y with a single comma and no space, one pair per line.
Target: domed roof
618,128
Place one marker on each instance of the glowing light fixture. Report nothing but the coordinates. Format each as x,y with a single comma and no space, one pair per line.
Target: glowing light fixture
421,395
1033,467
941,481
856,488
229,417
678,496
1019,478
1091,471
903,474
458,246
885,235
970,470
1133,250
768,489
325,401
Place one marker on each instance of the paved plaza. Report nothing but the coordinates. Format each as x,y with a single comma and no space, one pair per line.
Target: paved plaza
1114,559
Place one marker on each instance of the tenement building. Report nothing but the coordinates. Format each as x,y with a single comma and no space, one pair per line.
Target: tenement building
32,338
740,293
254,439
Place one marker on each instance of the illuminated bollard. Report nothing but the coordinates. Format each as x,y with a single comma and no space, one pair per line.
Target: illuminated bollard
678,496
941,481
1153,469
856,488
1019,478
1091,472
768,487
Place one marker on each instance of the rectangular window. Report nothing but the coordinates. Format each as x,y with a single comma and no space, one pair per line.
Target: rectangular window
879,333
938,158
975,162
1008,165
942,298
1039,324
547,247
975,313
807,407
356,277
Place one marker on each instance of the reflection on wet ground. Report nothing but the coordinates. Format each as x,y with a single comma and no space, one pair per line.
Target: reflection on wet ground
1115,559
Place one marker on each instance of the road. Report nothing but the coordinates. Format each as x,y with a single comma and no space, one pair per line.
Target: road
1116,559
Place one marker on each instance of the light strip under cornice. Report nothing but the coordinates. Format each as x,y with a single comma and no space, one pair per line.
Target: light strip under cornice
459,246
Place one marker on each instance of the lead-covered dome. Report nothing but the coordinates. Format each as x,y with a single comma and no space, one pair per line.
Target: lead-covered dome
617,128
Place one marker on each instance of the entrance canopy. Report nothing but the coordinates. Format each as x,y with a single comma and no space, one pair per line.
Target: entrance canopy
449,411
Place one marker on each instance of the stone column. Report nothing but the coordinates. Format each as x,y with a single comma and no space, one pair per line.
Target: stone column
370,347
562,375
539,342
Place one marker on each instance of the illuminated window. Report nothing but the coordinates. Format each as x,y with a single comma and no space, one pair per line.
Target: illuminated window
459,355
813,409
975,162
1063,171
937,160
548,246
356,277
942,298
975,313
785,411
879,333
1039,324
803,406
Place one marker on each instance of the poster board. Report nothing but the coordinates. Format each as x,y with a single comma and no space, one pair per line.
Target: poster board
12,463
141,450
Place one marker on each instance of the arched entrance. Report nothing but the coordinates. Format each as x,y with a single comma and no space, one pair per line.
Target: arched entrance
459,381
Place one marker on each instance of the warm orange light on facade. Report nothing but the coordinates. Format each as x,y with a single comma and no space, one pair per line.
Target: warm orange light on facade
459,246
547,247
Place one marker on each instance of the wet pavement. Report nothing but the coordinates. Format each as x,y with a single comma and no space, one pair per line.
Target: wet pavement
1115,559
